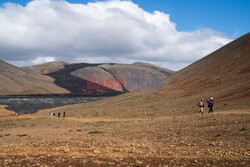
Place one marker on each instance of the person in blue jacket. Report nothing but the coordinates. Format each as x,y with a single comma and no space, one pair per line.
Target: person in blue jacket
210,105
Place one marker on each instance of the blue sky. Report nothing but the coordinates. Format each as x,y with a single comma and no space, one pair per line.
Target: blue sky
119,31
230,17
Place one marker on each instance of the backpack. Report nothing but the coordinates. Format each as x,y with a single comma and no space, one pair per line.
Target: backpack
200,104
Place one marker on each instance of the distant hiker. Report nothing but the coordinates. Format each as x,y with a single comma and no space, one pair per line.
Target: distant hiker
201,106
52,115
210,105
58,114
64,114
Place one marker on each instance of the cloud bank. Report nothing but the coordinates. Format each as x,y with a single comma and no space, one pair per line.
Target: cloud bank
110,31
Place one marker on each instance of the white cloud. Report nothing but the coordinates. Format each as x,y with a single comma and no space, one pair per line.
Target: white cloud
110,31
40,60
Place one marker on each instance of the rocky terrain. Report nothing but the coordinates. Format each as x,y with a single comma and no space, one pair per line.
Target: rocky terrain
23,104
219,139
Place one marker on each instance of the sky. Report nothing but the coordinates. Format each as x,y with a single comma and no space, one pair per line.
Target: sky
168,33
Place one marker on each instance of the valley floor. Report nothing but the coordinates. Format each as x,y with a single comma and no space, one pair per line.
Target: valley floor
218,139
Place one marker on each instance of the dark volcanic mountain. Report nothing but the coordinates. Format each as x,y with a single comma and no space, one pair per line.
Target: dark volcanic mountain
92,79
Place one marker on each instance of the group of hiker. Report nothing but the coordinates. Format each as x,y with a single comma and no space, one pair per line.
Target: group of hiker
53,115
201,105
210,104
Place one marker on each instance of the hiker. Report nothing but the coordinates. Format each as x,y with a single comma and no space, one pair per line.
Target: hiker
58,114
64,114
201,106
210,105
51,115
54,114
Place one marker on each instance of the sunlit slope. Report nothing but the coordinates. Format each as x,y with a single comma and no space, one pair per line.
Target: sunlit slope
14,80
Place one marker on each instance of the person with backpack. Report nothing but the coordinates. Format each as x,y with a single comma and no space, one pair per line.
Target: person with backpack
201,106
210,105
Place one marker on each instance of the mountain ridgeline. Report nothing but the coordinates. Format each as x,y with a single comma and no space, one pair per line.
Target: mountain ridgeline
79,79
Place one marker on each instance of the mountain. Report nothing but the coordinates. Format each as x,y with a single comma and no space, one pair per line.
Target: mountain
91,79
223,75
135,76
14,80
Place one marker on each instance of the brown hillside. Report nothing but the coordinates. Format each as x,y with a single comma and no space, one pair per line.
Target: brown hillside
224,74
14,80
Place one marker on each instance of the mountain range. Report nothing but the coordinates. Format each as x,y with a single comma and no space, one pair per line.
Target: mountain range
78,78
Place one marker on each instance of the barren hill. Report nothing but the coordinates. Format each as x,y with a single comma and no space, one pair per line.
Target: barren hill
83,78
14,80
223,74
